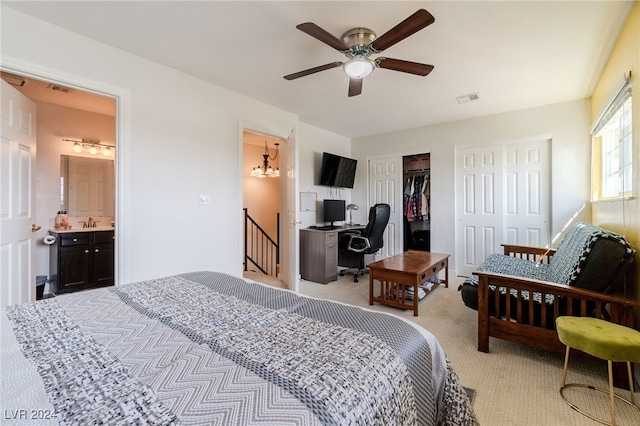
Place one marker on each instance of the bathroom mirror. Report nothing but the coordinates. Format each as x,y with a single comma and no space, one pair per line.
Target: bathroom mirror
87,186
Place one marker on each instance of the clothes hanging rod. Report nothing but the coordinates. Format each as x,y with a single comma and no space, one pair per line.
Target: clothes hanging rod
417,172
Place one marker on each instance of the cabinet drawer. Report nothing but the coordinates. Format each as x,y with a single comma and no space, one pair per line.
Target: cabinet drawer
81,238
331,238
103,237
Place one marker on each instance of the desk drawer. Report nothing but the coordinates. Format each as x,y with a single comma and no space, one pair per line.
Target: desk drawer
331,238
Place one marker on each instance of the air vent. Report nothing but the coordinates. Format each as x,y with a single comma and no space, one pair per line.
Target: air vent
14,80
468,98
58,88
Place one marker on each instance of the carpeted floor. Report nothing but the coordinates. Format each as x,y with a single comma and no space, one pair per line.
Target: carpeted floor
513,384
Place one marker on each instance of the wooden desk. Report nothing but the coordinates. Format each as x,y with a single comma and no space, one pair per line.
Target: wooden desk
408,269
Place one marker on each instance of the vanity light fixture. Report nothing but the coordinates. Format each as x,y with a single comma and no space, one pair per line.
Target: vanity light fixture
92,146
266,170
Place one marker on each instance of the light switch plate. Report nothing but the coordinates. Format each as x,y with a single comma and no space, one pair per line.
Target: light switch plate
204,200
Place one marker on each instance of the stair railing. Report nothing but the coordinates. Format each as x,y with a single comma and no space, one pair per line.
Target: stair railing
259,248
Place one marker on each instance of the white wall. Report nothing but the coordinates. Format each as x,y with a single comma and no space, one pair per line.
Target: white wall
55,123
566,124
309,163
178,138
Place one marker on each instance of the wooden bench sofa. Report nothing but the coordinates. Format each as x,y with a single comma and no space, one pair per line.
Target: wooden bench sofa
580,278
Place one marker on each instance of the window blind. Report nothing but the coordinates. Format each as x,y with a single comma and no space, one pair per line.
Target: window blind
620,94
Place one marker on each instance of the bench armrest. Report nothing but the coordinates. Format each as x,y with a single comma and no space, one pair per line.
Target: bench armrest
580,301
535,254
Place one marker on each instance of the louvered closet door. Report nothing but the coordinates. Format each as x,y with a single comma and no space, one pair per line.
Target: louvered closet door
385,186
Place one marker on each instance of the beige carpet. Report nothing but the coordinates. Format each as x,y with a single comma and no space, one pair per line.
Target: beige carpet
514,384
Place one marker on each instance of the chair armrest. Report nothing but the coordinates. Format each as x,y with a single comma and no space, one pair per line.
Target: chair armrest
355,238
535,254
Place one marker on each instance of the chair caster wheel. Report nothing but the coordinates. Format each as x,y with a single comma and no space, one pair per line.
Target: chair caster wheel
342,274
355,280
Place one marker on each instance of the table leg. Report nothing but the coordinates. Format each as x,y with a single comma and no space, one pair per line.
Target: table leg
371,287
446,274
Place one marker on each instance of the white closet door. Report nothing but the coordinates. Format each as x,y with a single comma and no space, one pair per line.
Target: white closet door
478,206
527,194
503,195
385,186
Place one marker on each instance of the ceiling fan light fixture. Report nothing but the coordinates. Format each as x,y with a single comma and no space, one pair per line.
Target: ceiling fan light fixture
358,67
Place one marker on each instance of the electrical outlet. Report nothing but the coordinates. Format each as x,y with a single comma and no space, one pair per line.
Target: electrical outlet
204,200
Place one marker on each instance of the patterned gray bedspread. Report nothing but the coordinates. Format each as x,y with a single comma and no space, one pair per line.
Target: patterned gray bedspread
209,348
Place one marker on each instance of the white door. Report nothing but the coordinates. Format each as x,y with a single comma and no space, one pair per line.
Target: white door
527,194
385,186
478,206
17,197
289,253
503,195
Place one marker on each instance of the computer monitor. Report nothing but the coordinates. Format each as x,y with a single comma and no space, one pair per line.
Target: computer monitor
334,211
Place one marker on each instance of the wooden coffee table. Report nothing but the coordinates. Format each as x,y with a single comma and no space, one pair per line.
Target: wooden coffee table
409,269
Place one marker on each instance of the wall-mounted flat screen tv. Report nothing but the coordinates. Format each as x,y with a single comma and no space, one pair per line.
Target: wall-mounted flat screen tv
337,171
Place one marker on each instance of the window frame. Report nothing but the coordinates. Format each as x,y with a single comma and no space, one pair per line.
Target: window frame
612,147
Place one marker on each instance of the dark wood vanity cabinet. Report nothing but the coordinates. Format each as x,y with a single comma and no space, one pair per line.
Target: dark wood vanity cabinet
81,260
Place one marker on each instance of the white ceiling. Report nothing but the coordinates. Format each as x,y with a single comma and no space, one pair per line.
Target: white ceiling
515,54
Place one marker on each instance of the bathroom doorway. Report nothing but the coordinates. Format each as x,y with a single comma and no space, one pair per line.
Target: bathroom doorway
69,122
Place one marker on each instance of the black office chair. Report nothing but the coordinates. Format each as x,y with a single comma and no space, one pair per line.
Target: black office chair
370,239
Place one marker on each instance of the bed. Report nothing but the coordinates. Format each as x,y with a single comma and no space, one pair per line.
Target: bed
210,348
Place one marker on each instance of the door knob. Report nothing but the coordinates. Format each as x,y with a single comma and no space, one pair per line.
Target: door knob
35,228
296,222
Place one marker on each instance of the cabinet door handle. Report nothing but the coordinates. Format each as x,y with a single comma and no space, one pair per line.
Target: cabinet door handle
97,250
75,240
86,251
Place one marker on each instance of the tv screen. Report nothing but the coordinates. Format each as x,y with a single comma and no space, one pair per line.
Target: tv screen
334,211
337,171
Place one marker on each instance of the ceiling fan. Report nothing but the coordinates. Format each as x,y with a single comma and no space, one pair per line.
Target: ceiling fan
358,44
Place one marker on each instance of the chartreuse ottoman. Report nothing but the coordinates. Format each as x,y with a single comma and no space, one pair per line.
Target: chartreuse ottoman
604,340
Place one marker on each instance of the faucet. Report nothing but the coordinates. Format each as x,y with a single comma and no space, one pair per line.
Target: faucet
91,223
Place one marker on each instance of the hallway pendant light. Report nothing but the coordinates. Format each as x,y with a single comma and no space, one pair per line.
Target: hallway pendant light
92,146
266,170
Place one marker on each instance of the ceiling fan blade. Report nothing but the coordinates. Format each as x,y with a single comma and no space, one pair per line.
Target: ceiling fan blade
404,66
404,29
355,86
316,32
312,70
